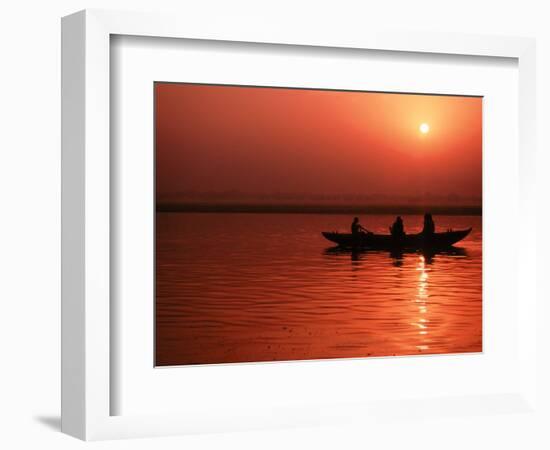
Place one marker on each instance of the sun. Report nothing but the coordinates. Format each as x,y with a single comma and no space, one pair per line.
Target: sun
424,128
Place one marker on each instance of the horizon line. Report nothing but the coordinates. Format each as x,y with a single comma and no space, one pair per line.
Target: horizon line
459,210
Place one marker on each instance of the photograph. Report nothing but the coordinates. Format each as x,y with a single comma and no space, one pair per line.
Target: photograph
300,224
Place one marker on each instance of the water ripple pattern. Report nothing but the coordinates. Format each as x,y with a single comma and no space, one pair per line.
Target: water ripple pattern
268,287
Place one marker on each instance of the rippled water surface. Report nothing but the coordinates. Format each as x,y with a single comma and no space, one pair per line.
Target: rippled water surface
268,287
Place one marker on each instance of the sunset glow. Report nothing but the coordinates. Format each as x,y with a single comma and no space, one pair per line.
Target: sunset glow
271,145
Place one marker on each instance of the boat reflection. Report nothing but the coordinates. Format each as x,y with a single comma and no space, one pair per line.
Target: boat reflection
397,256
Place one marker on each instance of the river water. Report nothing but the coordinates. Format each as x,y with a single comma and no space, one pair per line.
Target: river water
268,287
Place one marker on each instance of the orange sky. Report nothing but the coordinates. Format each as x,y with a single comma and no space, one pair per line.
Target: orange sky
262,144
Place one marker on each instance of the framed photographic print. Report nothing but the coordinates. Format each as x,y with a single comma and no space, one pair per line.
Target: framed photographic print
265,228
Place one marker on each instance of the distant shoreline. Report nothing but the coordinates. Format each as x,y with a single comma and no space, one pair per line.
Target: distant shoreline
317,209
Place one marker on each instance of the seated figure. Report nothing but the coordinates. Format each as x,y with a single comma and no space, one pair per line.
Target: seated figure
397,230
357,228
429,225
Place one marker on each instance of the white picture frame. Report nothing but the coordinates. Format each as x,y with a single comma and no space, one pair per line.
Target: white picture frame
86,217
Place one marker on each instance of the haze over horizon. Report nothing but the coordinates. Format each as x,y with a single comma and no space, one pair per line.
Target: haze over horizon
272,146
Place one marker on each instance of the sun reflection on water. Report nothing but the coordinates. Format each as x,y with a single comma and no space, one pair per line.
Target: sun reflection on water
421,299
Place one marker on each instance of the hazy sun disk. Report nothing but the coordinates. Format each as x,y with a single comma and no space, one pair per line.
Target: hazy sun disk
424,128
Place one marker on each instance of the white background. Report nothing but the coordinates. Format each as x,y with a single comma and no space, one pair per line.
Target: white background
30,187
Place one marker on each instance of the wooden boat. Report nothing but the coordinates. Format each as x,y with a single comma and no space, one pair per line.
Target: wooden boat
416,241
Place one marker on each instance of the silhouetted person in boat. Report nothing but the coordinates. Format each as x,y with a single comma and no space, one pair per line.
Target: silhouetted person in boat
397,230
357,228
429,226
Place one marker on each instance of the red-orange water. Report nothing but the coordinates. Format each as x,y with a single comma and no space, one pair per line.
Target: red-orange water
269,287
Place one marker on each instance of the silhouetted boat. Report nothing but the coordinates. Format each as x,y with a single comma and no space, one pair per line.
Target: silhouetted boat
388,242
